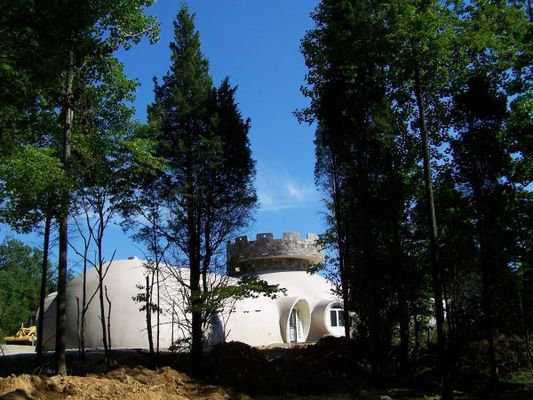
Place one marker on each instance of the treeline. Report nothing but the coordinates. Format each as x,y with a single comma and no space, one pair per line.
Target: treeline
73,159
424,149
20,280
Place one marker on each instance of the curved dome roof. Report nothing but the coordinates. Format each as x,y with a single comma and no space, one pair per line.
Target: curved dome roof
255,321
128,324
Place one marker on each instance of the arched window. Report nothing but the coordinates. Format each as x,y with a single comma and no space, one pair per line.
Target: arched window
336,315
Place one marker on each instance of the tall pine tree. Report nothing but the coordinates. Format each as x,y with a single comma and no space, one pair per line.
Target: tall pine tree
206,186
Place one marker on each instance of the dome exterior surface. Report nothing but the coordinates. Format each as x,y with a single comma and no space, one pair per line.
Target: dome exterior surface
298,314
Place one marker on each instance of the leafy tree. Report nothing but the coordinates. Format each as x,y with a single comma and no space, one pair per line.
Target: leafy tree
482,161
365,157
31,177
329,177
31,181
102,154
20,279
26,106
76,40
142,211
489,148
424,60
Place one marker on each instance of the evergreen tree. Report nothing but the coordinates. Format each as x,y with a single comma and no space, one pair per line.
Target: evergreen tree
206,185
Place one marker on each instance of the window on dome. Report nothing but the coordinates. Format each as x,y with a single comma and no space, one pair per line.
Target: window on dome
336,315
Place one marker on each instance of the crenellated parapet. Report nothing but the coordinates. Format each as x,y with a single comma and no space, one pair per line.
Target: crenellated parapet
266,253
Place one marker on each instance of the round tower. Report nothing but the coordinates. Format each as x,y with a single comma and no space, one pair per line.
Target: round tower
266,254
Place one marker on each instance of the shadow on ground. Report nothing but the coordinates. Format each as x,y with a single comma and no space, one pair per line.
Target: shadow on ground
332,369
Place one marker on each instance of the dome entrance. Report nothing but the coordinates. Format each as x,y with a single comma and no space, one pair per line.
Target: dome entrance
295,327
295,319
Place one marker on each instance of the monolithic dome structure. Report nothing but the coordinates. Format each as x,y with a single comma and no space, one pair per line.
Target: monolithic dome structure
306,311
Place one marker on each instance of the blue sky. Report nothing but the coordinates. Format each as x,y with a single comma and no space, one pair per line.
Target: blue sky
256,44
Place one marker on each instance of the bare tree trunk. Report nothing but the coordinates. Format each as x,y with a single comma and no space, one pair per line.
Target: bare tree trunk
416,348
103,313
78,315
61,361
404,334
345,295
207,258
451,307
158,313
487,277
368,265
100,204
525,328
402,282
83,307
196,302
436,272
341,244
44,281
108,319
148,307
157,259
487,305
195,271
172,325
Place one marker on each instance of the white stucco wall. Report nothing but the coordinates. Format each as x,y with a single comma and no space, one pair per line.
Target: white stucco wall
256,321
267,327
128,323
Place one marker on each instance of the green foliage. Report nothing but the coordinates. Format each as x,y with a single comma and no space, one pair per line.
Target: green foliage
201,137
31,181
20,277
366,162
84,86
90,31
374,68
197,189
248,287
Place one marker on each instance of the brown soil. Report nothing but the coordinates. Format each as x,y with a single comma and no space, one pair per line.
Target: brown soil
119,384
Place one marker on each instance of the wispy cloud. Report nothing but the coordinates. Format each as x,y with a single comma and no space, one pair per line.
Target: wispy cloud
278,190
296,192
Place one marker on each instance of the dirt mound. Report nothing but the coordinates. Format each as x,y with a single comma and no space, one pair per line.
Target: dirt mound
237,365
122,383
330,366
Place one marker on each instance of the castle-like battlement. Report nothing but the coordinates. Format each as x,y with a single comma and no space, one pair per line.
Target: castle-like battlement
268,254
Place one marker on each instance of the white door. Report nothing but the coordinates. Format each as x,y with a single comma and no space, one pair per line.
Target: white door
296,328
293,326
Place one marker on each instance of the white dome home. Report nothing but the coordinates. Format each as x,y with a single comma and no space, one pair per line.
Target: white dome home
305,312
